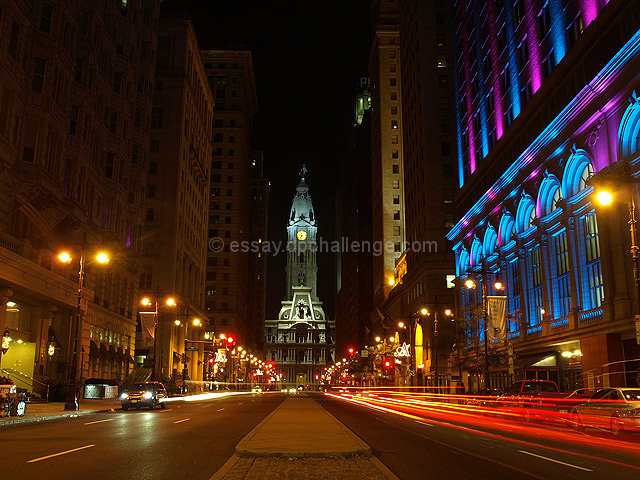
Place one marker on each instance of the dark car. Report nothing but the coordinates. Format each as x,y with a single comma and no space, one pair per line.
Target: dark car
148,394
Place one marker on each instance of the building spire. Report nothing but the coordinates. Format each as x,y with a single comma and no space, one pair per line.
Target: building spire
303,173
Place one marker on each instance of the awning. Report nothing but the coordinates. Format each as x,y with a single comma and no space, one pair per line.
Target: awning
111,354
121,356
94,351
544,359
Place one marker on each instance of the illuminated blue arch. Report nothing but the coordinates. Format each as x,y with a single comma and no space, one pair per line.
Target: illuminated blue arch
525,214
506,228
549,194
463,262
476,252
628,142
578,170
490,241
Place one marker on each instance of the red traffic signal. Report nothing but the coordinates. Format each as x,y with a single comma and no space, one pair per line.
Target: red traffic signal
230,340
351,350
387,363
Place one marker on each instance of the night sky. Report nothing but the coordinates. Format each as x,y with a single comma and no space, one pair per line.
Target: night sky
308,57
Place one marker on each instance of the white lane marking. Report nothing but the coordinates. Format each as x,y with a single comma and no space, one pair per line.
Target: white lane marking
220,409
166,410
183,420
556,461
100,421
424,423
61,453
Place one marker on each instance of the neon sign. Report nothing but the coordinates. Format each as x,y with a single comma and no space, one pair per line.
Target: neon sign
402,351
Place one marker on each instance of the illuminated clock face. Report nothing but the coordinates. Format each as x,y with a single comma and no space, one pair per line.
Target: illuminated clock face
302,235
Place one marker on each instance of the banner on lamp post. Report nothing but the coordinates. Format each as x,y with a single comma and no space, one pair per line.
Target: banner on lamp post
147,321
496,317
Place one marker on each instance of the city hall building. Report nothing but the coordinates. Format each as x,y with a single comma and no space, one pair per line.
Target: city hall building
547,112
302,340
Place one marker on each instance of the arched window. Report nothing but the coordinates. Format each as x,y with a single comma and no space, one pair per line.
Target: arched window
578,170
476,252
463,262
526,214
587,173
490,241
629,133
549,195
506,229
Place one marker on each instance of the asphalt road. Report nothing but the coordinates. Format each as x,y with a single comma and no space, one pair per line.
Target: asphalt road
189,440
463,447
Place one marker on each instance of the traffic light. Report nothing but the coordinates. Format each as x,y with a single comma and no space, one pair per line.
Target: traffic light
351,351
231,341
211,360
387,364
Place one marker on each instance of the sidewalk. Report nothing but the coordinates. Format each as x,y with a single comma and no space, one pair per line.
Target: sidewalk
301,440
52,410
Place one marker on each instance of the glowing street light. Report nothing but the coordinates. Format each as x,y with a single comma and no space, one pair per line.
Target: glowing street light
64,257
102,258
604,197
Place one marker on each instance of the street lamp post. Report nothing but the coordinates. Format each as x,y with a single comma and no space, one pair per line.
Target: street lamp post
72,402
146,301
498,286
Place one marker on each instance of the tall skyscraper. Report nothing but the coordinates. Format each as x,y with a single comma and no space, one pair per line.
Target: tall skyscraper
301,341
258,259
354,292
387,155
76,83
227,283
545,100
177,196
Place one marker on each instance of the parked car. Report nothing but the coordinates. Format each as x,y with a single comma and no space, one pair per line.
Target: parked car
615,409
148,394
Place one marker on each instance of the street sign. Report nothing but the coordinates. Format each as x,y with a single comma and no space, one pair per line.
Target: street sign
638,329
364,353
412,373
192,349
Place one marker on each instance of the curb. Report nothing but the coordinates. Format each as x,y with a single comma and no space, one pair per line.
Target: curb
226,468
242,451
54,417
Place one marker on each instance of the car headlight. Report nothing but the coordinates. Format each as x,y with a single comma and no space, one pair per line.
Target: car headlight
147,395
124,396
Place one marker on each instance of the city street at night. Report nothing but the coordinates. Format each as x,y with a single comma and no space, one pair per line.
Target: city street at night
195,439
334,240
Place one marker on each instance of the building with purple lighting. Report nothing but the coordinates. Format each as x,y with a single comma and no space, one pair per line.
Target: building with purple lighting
545,99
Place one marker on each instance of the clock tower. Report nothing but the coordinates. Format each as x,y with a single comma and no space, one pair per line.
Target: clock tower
302,269
300,342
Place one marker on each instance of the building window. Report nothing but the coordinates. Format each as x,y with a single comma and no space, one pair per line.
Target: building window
151,191
444,103
442,61
446,149
149,216
45,18
563,301
396,214
39,67
536,305
593,279
544,21
394,124
157,117
396,168
514,292
108,167
396,200
396,184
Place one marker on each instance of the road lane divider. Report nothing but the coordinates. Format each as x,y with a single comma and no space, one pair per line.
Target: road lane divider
100,421
183,420
61,453
556,461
